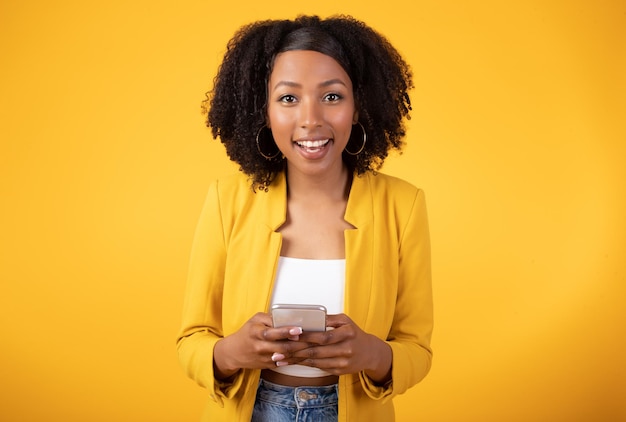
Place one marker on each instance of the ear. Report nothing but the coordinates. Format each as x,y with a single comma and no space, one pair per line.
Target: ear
355,118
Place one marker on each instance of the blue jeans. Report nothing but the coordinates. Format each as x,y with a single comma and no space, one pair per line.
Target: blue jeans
278,403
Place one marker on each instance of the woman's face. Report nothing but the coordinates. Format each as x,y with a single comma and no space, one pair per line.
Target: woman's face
310,111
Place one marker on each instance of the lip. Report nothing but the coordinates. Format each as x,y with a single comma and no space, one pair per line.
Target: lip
313,148
313,137
313,143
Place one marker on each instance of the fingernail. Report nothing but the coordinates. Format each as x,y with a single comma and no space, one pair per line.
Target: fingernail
295,331
277,356
281,363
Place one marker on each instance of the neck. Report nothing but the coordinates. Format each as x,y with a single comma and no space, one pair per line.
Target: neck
333,186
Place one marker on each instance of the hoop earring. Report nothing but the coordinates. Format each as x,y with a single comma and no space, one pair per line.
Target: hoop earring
364,141
258,146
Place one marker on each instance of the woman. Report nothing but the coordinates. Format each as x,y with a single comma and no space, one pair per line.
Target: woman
309,109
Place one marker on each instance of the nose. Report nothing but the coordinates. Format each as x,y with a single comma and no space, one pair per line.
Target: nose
310,114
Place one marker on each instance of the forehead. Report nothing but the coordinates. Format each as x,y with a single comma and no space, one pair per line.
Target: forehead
306,65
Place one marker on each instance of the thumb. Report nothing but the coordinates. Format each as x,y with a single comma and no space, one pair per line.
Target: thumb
337,321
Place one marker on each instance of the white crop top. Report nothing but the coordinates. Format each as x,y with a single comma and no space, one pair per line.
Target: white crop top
309,282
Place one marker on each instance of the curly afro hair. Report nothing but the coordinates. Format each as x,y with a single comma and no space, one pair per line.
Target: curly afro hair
236,108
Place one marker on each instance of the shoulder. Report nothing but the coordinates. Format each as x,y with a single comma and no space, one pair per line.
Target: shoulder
235,196
382,179
236,186
232,183
228,191
394,196
382,195
390,186
241,184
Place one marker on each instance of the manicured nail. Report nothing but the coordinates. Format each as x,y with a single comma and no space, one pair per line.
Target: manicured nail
295,331
282,363
277,357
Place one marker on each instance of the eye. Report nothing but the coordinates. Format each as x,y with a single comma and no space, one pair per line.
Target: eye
332,97
287,98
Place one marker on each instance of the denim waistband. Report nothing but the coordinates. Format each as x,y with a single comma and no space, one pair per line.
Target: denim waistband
300,397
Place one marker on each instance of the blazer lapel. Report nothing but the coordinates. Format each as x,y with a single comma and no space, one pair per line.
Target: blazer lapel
359,250
271,214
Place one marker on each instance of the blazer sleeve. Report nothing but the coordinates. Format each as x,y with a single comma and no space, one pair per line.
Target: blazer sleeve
412,324
202,308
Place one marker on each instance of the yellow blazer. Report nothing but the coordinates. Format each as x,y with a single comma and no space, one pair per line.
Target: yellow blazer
387,292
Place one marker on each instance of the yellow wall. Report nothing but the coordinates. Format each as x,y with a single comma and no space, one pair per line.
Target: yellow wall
518,138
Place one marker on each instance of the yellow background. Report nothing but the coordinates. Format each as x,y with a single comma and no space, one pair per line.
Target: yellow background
518,137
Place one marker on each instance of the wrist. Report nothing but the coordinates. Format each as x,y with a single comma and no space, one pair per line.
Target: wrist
223,368
380,369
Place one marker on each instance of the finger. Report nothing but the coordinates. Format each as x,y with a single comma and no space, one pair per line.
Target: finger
282,333
334,365
280,359
324,337
319,352
290,348
277,357
262,318
337,320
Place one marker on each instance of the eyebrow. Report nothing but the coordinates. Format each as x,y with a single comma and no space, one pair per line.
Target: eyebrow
297,85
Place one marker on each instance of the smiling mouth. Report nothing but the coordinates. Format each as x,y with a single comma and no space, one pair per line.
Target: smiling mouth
313,145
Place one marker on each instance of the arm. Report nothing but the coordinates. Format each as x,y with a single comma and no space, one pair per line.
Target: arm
202,310
411,329
412,325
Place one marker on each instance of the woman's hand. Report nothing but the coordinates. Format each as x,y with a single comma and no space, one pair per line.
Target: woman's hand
256,345
346,349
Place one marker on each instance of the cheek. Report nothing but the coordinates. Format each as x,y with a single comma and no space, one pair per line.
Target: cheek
277,119
344,119
280,126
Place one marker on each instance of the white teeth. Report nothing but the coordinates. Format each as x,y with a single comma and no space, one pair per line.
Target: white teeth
313,144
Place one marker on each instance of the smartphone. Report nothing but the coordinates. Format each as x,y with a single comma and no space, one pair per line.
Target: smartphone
309,317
